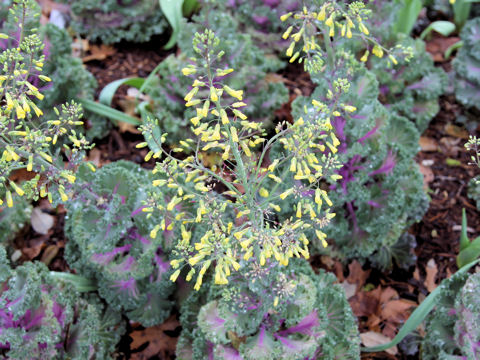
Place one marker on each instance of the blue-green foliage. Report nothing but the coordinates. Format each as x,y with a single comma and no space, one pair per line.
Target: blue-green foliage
43,318
312,319
381,192
251,67
112,21
453,328
13,219
263,15
411,88
467,65
109,241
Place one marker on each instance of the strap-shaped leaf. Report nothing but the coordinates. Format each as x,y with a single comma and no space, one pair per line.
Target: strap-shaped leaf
418,315
108,112
173,12
107,93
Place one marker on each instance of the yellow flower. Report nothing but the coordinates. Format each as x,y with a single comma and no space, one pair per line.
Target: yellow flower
9,199
174,276
188,71
213,94
237,94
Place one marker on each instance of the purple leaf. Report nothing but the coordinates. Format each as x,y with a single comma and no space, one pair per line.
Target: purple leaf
104,259
387,166
306,326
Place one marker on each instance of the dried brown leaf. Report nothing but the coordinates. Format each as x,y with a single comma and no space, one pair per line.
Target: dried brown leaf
372,338
159,343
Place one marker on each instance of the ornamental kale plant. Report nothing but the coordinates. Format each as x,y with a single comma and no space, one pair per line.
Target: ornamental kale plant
130,267
44,318
379,192
167,90
467,65
238,229
314,320
112,21
452,329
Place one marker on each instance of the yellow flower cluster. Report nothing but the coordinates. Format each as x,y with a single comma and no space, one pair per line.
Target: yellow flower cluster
25,144
220,125
213,247
333,16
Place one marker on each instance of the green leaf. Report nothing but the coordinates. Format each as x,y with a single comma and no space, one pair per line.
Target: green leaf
453,162
189,7
82,284
107,93
107,111
418,315
442,27
452,48
173,12
464,241
407,16
469,254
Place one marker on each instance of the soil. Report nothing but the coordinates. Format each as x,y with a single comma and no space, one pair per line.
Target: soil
437,234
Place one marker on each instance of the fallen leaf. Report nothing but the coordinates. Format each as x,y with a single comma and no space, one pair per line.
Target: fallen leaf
397,310
350,289
41,221
372,338
160,344
438,45
95,156
456,131
99,52
274,78
388,294
428,175
49,254
34,248
428,144
431,271
357,275
366,303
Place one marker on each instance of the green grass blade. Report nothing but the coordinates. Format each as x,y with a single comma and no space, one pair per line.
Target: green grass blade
108,112
173,12
107,93
417,316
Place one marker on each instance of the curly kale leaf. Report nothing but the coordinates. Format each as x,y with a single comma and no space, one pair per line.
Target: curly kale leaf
453,328
412,88
110,242
112,21
44,318
13,219
381,192
319,324
467,65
